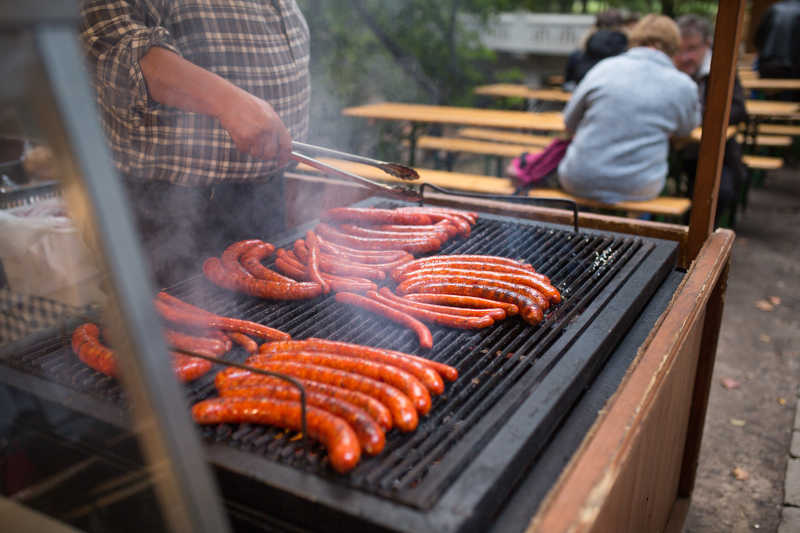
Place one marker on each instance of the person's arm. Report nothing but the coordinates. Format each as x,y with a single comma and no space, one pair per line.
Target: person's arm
137,66
252,123
738,112
689,115
577,105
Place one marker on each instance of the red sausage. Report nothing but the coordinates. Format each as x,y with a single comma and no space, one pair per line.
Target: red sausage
230,257
251,261
399,274
290,267
361,256
392,375
369,433
452,321
209,320
529,311
484,259
375,216
86,345
496,313
404,415
444,227
337,436
462,301
313,261
550,292
419,281
189,368
409,245
462,223
249,345
190,343
332,264
352,229
375,409
423,333
271,290
422,371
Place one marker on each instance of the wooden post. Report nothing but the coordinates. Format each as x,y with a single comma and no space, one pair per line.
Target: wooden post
715,122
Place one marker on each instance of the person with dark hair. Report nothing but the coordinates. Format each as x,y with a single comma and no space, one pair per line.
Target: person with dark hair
622,115
200,102
777,40
607,40
694,58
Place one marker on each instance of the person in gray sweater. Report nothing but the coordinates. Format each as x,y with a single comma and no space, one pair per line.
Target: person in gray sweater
622,115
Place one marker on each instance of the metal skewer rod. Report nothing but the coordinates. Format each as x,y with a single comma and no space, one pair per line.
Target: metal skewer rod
395,169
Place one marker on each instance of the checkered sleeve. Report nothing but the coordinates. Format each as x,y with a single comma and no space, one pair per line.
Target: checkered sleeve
117,34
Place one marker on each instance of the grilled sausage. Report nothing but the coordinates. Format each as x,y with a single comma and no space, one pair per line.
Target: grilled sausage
483,259
409,245
470,302
422,371
362,256
470,216
442,262
352,229
289,266
209,320
529,311
251,261
419,282
369,433
336,265
189,368
271,290
191,343
435,317
444,227
313,261
551,293
375,409
249,345
392,375
462,223
370,215
337,436
230,257
404,414
86,345
423,333
496,313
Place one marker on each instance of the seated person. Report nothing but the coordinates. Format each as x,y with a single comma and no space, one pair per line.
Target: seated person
694,58
622,115
777,40
608,39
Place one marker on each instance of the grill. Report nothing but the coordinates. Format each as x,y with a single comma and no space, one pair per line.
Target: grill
516,383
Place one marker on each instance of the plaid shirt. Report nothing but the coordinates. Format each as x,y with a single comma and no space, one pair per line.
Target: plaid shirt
261,46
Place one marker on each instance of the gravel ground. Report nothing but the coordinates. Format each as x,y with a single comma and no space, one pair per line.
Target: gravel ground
748,429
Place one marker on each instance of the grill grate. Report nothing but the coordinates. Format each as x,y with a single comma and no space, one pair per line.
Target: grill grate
499,367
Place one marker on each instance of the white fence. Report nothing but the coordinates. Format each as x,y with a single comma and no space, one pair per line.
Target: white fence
535,33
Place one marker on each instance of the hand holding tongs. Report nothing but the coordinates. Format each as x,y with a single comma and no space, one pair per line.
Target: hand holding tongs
394,169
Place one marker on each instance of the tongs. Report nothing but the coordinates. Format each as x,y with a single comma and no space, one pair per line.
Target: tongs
394,169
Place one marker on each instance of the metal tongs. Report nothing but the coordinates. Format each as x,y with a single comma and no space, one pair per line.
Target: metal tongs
393,169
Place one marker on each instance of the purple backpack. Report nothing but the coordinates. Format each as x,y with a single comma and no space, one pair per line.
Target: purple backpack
531,168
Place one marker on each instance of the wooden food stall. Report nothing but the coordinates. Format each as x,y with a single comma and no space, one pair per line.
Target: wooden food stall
602,434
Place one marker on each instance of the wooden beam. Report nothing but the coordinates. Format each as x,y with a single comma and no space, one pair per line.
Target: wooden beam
715,122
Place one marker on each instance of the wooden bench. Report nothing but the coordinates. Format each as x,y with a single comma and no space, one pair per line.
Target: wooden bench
456,144
661,205
771,141
505,136
760,162
779,129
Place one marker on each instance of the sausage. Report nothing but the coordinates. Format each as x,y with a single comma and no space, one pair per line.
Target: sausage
220,336
251,261
462,223
271,290
483,259
361,256
443,226
409,245
423,333
313,261
352,229
404,414
419,281
369,433
462,301
529,311
189,368
249,345
496,313
422,371
452,321
209,320
230,257
336,265
392,375
399,274
290,267
375,409
371,215
550,292
86,345
470,216
338,437
190,343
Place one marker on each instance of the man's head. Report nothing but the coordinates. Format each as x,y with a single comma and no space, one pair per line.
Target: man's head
695,44
656,31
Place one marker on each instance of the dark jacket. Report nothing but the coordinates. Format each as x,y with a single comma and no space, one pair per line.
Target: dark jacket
602,44
778,41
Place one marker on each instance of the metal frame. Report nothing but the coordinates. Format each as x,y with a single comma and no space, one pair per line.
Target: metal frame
57,89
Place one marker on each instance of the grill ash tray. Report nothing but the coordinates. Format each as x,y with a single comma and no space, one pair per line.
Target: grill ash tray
516,383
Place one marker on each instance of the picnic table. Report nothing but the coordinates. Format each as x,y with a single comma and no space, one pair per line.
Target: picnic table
418,114
512,90
772,84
